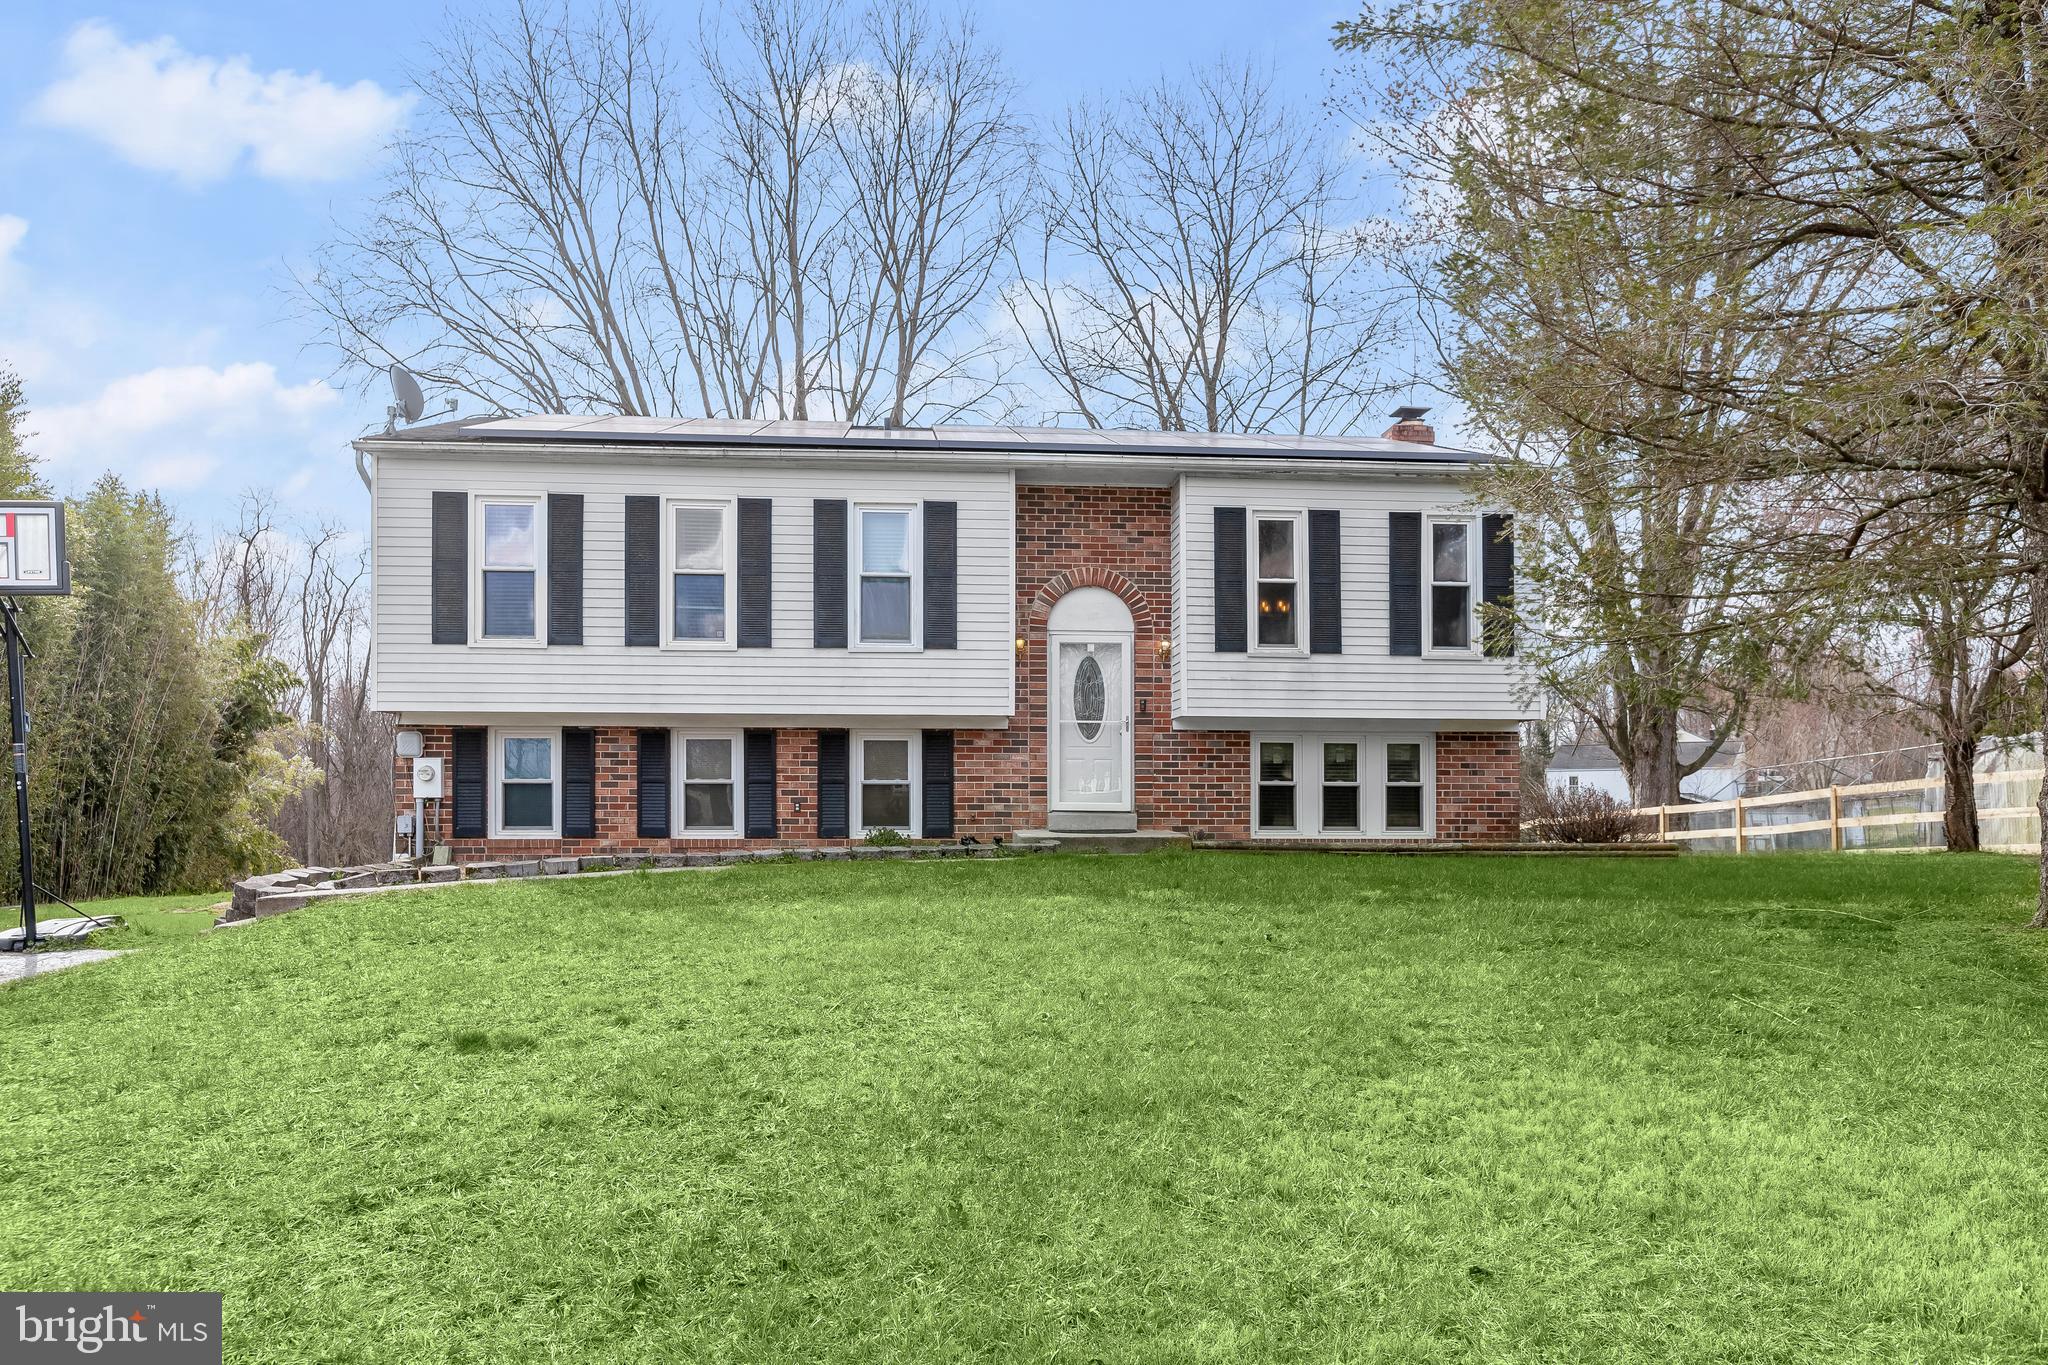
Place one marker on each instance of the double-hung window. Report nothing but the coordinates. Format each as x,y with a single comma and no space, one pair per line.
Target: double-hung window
708,776
1276,784
1404,786
701,580
885,566
1276,597
508,567
886,788
1450,585
1340,786
528,780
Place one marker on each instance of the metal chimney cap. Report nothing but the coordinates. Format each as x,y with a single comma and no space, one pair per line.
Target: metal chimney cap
1410,414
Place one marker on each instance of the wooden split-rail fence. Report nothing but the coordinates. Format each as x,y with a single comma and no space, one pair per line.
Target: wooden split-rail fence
1874,816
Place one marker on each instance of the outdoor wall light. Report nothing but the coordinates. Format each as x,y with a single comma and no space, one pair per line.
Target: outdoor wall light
1020,644
1165,646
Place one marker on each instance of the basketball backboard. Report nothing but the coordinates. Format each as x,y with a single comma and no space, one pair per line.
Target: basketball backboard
32,550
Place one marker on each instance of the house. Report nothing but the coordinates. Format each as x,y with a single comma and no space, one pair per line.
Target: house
1597,766
629,634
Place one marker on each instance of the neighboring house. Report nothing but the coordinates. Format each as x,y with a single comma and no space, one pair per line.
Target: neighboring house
1595,765
640,634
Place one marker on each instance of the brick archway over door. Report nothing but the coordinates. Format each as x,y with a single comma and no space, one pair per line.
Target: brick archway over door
1118,539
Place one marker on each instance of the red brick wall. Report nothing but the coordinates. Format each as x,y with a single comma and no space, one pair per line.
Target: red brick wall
1479,785
1120,539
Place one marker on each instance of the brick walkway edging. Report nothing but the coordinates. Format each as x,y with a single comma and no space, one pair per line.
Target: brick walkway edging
276,892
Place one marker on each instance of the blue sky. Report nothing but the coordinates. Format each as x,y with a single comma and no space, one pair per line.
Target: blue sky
163,166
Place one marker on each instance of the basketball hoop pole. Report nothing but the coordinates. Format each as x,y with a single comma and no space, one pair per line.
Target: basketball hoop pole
17,717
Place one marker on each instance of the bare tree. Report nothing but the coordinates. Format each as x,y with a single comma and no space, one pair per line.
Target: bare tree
1197,267
794,223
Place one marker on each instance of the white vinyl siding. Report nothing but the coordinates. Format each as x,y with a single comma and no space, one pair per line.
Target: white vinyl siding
1242,691
604,680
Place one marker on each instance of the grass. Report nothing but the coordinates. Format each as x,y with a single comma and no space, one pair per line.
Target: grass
1194,1107
147,920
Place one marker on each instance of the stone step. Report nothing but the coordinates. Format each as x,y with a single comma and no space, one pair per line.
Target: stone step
1098,841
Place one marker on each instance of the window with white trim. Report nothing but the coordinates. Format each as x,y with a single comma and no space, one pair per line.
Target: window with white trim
1450,585
528,768
885,783
508,538
707,768
1404,787
1276,795
701,578
885,576
1276,581
1341,806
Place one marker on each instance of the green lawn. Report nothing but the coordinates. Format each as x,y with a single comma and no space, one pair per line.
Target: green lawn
146,920
1187,1107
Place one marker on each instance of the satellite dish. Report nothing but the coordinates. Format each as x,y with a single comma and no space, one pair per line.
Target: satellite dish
405,390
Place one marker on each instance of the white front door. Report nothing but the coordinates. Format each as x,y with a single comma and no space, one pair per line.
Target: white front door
1089,718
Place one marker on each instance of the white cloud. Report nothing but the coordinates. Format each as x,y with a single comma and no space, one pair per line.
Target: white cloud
12,229
198,117
173,427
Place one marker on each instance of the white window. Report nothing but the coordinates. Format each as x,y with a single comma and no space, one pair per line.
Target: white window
1276,805
1341,808
886,783
1449,553
885,576
709,769
702,584
1276,581
508,561
1403,798
1339,786
528,782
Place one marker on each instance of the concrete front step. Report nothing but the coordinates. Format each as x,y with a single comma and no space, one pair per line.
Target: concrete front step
1099,841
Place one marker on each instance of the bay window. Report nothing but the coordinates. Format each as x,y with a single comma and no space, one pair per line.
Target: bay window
508,567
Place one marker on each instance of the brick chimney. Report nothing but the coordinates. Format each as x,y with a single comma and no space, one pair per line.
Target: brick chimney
1409,426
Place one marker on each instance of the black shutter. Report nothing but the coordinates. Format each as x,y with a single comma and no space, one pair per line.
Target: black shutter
941,575
834,818
471,782
565,568
1497,632
579,784
653,797
1325,583
757,575
760,784
828,573
1404,583
643,570
451,569
1232,609
938,784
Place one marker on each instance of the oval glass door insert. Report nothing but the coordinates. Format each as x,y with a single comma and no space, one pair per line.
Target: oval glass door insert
1089,694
